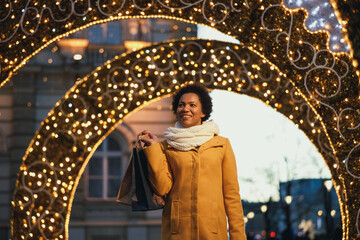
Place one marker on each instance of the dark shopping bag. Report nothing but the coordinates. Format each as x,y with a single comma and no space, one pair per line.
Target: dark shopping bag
135,189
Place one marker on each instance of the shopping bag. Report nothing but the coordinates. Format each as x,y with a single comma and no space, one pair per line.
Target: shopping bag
135,189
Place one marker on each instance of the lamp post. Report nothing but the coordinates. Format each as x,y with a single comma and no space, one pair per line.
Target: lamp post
288,232
249,221
73,49
136,29
327,204
264,209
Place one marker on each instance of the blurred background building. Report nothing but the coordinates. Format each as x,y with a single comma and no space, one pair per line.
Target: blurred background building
308,209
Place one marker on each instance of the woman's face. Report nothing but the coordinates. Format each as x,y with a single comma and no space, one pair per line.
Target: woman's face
189,111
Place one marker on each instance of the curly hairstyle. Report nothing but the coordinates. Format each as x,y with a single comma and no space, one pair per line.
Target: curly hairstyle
204,97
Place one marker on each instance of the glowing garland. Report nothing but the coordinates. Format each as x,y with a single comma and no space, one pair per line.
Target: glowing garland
322,16
348,13
93,107
327,81
29,26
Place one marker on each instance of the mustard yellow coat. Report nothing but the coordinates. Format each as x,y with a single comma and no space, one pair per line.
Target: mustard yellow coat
202,189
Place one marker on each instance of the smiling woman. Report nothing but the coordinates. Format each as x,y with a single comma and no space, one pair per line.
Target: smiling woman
194,169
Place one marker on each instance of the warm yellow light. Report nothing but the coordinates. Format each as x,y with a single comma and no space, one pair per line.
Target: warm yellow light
332,213
77,57
288,199
250,215
328,184
263,208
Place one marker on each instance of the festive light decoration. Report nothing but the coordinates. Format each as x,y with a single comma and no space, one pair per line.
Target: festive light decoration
348,13
322,17
324,80
94,106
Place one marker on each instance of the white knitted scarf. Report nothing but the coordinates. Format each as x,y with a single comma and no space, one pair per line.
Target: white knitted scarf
184,139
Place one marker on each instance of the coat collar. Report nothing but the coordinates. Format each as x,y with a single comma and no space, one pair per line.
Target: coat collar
216,141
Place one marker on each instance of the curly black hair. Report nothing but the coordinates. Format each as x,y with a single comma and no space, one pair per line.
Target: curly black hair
204,97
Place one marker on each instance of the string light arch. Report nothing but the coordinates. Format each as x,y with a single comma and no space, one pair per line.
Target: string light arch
93,107
324,80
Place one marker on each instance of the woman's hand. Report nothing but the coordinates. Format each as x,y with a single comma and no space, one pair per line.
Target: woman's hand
147,138
159,199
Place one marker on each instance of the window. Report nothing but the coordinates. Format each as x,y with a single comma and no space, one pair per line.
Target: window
105,169
106,33
3,145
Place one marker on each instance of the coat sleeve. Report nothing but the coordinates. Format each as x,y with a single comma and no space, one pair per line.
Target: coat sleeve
159,171
232,200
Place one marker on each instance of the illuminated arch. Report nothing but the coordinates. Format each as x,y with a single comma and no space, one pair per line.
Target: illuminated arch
327,81
93,107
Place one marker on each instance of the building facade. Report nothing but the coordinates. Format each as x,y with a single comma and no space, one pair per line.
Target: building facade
311,201
306,206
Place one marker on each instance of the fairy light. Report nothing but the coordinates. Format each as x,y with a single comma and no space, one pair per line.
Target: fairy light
348,13
322,17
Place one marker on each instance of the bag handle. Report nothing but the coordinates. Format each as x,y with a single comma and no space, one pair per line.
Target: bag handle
138,143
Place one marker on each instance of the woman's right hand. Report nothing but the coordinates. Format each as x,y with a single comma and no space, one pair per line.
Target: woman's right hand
147,138
159,199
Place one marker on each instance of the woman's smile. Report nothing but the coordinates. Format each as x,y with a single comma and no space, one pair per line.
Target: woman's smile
185,116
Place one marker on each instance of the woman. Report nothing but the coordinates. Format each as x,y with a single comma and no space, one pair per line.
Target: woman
196,170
